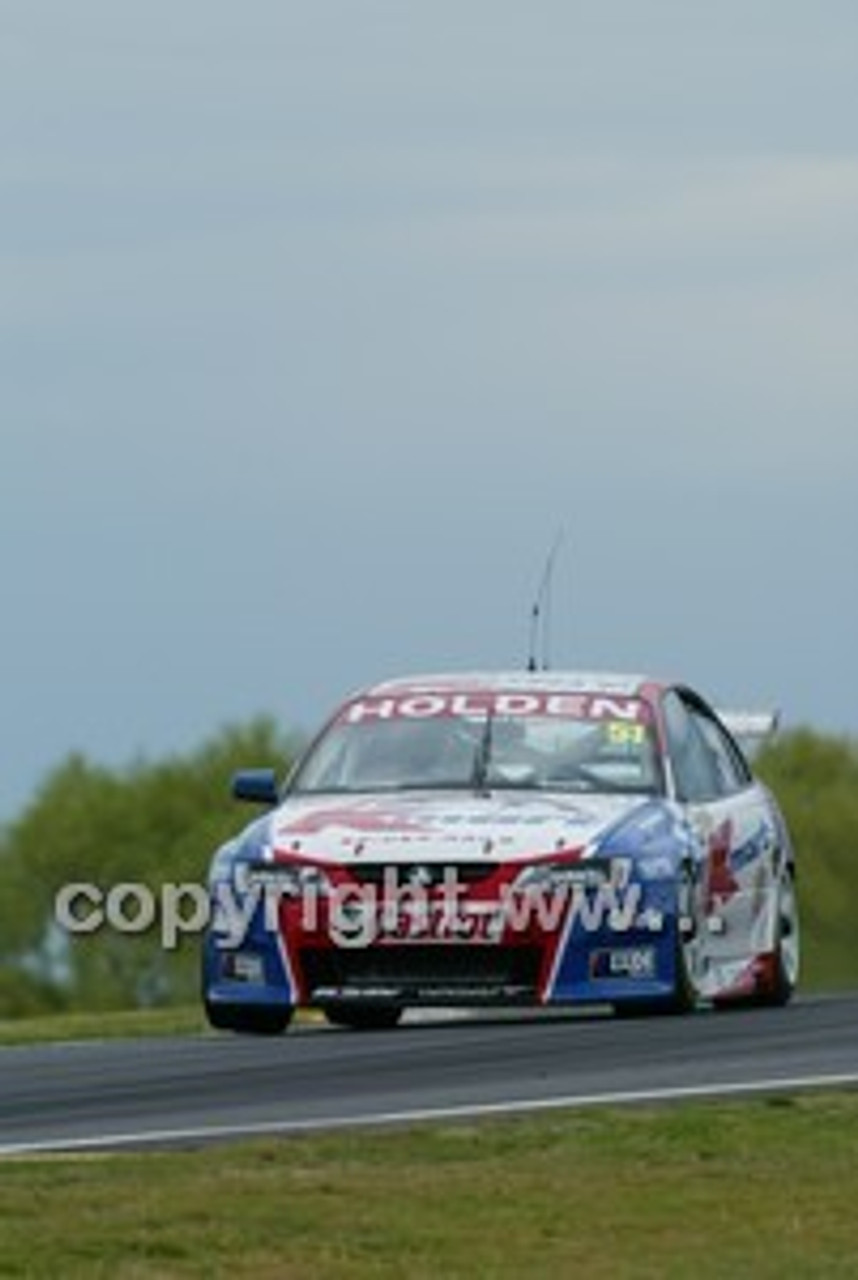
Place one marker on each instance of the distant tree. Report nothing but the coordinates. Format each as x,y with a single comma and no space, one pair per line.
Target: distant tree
815,777
150,823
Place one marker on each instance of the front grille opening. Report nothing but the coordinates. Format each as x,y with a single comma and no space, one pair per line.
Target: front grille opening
427,874
421,974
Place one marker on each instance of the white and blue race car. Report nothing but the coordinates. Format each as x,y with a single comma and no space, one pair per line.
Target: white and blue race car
505,838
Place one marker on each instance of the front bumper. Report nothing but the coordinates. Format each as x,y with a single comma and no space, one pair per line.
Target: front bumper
624,952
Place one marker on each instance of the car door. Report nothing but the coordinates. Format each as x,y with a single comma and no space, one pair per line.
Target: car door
734,839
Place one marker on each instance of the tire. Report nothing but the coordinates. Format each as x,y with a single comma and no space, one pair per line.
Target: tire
679,1003
779,982
364,1017
778,976
264,1020
683,998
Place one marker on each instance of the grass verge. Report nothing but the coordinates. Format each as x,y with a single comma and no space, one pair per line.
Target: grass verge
184,1020
765,1188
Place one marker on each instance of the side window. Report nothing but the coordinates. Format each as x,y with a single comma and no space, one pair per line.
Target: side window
733,773
694,768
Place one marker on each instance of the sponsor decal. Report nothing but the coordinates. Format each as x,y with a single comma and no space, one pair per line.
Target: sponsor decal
759,843
426,706
370,818
623,962
355,825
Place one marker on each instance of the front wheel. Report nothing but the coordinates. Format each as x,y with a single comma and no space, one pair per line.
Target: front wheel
787,954
776,972
262,1020
683,997
363,1017
778,975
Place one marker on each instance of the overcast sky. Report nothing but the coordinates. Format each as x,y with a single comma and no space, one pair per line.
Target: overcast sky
319,321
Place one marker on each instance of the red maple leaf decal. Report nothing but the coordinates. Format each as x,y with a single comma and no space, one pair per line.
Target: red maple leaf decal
721,884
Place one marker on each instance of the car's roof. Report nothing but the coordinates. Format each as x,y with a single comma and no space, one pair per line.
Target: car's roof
616,683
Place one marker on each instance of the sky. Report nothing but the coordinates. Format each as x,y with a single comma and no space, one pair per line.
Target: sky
321,324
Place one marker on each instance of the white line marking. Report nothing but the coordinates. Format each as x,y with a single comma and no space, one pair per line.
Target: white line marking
210,1133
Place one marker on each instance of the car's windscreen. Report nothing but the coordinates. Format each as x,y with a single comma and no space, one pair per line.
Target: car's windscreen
612,749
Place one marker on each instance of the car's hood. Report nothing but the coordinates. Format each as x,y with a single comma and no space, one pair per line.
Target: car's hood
448,826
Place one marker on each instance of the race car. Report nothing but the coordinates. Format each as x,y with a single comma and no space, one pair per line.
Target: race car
493,839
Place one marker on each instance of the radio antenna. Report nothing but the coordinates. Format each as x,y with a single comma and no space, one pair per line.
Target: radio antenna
540,613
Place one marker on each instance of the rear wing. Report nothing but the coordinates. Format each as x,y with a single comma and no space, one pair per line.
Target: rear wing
750,728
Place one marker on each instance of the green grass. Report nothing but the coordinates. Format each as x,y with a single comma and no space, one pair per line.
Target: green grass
755,1189
102,1026
124,1024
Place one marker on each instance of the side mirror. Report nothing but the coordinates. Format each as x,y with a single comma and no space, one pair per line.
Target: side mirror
259,786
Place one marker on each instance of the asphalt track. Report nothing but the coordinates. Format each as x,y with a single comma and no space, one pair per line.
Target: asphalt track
198,1089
